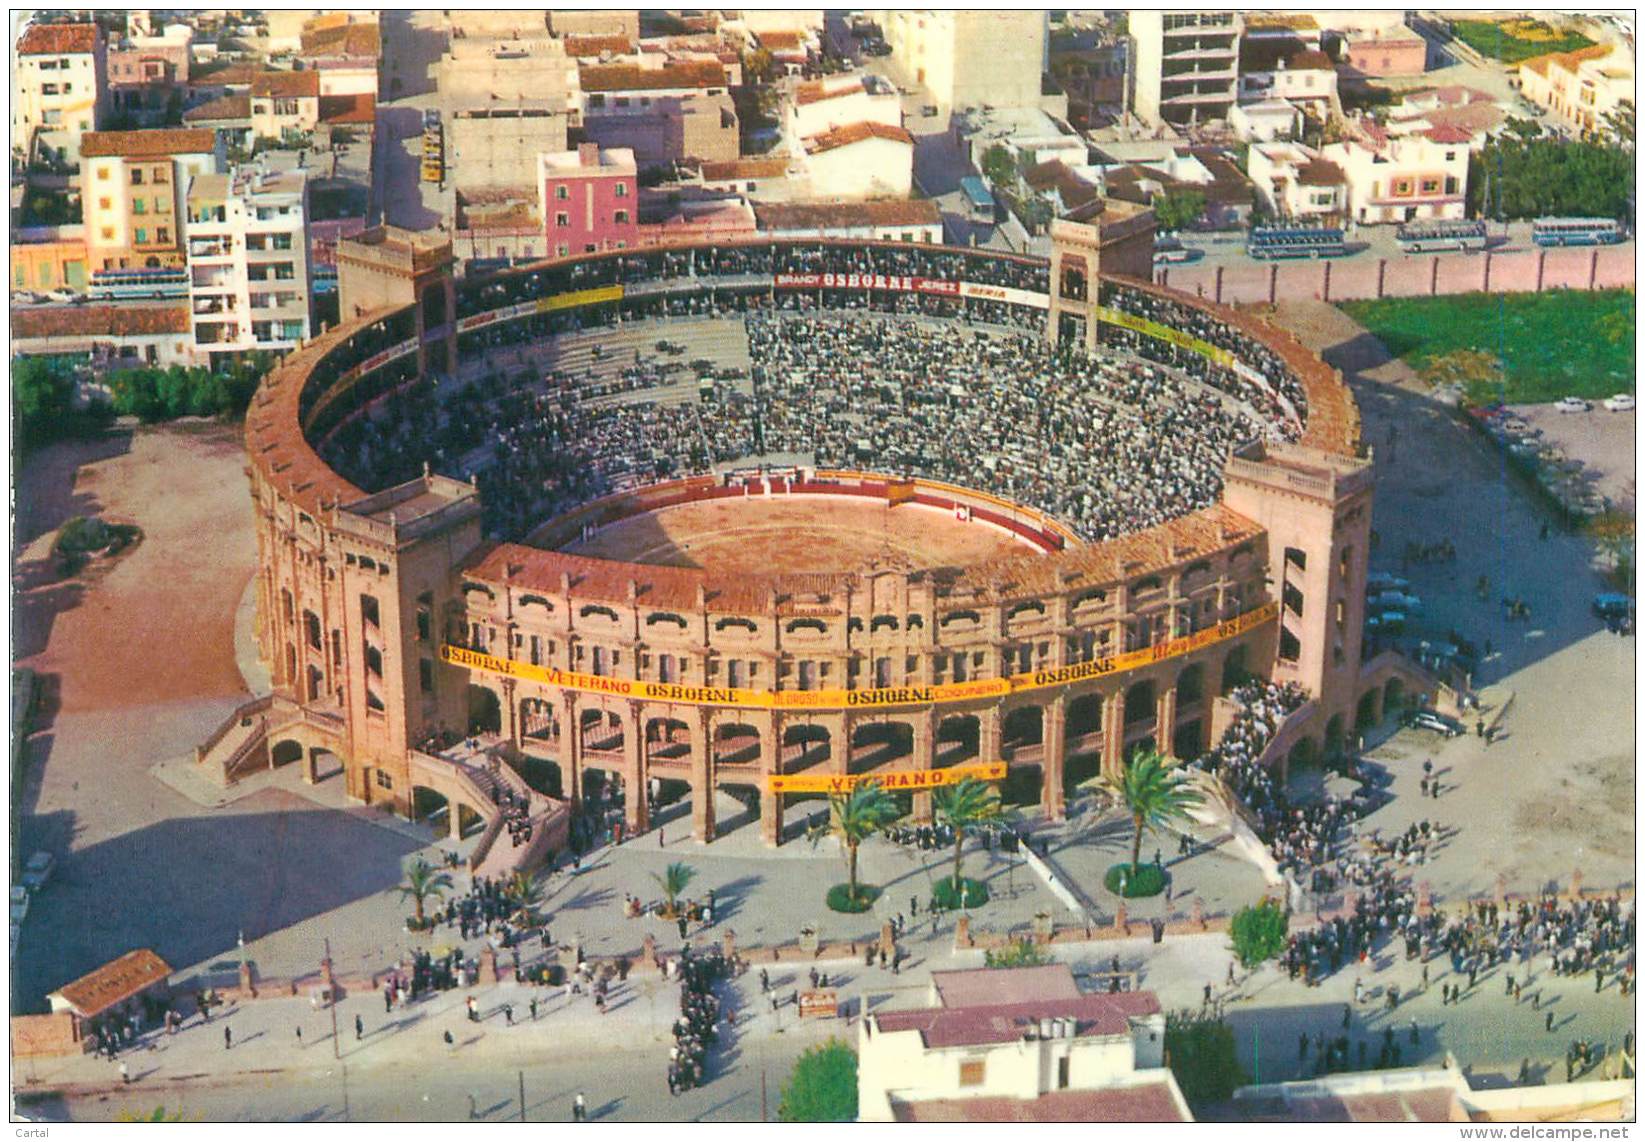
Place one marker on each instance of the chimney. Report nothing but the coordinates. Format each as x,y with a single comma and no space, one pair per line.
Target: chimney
588,154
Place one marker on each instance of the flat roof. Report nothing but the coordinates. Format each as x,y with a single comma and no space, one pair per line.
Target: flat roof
1149,1102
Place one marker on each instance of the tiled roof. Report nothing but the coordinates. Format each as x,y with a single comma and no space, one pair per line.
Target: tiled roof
779,40
1152,1102
818,90
360,108
148,144
853,133
114,982
744,168
1567,61
98,320
234,105
846,215
585,46
969,988
1446,133
286,85
629,77
57,40
1320,172
1054,174
234,75
362,39
1095,1015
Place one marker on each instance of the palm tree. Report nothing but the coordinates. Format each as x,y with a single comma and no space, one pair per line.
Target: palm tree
967,805
853,818
422,881
523,890
1154,794
673,881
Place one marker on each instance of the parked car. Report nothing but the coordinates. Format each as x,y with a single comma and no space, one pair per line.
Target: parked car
1396,601
1171,250
1438,723
1386,622
1572,404
61,295
1612,605
1621,402
38,871
1378,581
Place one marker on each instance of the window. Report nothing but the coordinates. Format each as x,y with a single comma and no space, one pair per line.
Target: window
621,218
139,206
103,173
142,236
162,205
108,233
161,234
622,190
384,780
973,1072
1450,156
282,241
160,176
562,219
49,89
137,176
285,272
562,192
562,250
425,675
102,204
51,118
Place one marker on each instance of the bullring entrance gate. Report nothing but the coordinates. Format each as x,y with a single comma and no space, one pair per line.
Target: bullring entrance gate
1049,729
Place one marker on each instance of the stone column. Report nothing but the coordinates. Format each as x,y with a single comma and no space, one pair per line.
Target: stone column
571,752
702,777
1054,737
637,816
990,727
1113,734
1165,720
925,733
771,804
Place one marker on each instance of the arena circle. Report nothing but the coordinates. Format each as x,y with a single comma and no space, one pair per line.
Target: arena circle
392,623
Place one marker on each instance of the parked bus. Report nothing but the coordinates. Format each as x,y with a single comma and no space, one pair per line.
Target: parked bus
1576,232
1415,237
1296,242
979,204
139,284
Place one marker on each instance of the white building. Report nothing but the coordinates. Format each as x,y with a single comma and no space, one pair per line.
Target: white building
1187,65
970,57
1017,1045
1265,121
1581,87
822,105
248,261
862,160
59,89
1296,184
1419,176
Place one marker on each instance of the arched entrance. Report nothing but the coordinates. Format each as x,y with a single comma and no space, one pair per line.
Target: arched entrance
601,730
805,745
1084,741
431,808
1393,696
1234,670
485,712
1188,740
1191,686
874,744
736,744
958,740
284,753
1139,703
1333,737
1365,715
469,821
1023,727
324,764
538,722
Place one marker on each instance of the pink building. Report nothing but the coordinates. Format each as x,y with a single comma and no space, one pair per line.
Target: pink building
1385,52
589,199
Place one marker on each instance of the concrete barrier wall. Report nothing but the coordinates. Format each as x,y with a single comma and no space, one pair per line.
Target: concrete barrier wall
1515,271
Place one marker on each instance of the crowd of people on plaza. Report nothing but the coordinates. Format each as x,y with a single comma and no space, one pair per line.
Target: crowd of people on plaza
694,1030
1111,443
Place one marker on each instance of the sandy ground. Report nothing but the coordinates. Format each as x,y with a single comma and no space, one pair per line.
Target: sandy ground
807,533
1603,441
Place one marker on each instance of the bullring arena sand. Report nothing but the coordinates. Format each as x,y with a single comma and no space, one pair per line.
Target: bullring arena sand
761,535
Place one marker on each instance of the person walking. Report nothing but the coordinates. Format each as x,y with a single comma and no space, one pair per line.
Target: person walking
1548,1023
508,1014
125,1074
359,1028
579,1108
228,1038
473,1010
534,1009
1347,1016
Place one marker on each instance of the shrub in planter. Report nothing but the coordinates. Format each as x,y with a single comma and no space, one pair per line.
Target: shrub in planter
945,898
840,898
1144,880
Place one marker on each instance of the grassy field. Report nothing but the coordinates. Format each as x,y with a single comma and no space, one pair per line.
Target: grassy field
1560,343
1514,41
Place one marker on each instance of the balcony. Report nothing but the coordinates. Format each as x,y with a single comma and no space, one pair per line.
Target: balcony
209,305
212,279
211,247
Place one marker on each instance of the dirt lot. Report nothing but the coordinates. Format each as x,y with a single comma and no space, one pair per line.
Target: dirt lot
1603,441
112,637
807,533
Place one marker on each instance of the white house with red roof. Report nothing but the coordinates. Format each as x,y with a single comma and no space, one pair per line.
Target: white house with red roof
1403,178
1017,1045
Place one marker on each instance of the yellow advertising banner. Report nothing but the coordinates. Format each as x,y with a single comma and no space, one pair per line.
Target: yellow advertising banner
580,297
900,492
897,781
889,696
1164,333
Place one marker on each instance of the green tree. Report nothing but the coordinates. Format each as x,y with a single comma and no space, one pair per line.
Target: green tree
1154,794
999,168
1258,932
1177,209
423,880
42,398
853,818
966,805
822,1087
1474,372
757,66
674,880
527,895
1021,954
1516,177
1200,1052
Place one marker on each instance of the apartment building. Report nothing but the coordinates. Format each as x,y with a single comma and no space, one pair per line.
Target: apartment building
1296,184
59,89
589,199
1581,87
861,160
131,191
838,101
1187,65
970,58
665,129
248,261
148,75
285,104
1404,178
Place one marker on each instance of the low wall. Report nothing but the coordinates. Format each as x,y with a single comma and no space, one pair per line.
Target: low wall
1355,278
42,1035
